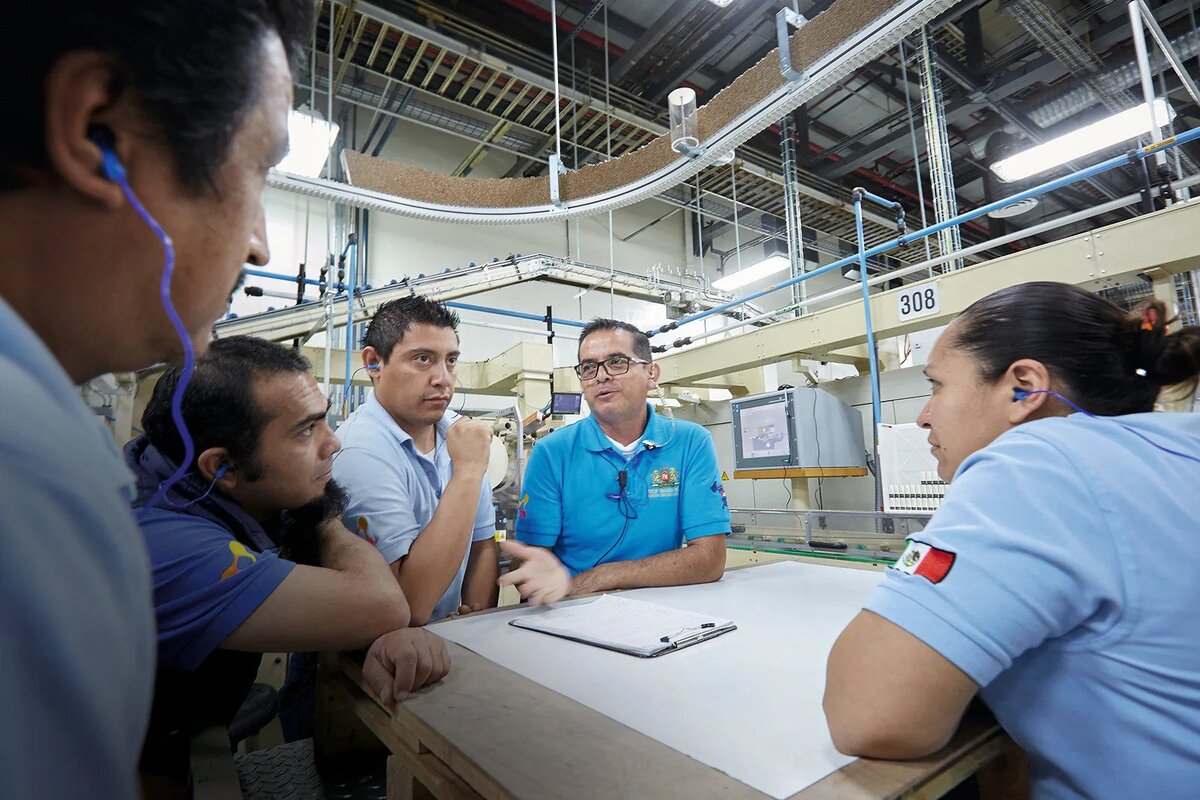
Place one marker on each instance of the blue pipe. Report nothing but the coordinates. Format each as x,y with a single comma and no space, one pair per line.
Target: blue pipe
1036,191
518,314
866,294
261,273
874,198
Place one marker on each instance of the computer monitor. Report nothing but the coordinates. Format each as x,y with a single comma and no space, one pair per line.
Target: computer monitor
804,428
765,433
565,402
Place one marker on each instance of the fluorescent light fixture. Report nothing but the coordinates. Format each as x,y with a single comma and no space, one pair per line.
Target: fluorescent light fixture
309,141
768,266
720,3
1101,135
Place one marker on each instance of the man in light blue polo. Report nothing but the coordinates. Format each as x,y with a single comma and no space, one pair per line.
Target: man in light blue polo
415,471
610,501
124,113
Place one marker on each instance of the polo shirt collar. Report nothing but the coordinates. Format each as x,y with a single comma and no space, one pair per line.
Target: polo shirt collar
377,412
656,431
150,467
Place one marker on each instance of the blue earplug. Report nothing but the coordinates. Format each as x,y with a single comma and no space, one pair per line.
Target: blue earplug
221,471
109,163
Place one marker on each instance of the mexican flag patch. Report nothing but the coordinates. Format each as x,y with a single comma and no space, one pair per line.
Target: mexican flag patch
925,560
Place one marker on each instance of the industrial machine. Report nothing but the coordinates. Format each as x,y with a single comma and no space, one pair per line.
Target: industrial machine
796,428
860,536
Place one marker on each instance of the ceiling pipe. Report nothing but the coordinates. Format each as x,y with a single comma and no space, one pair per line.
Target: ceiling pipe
1066,103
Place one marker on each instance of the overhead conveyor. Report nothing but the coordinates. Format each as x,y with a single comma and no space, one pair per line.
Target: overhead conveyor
822,53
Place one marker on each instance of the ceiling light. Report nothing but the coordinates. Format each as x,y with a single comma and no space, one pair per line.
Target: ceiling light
768,266
1015,209
309,141
1101,135
720,3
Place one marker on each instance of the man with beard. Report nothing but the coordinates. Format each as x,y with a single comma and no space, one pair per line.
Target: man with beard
248,552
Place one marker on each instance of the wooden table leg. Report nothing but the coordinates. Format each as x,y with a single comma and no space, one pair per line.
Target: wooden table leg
402,784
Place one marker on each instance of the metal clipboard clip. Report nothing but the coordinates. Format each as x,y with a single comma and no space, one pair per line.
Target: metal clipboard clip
691,636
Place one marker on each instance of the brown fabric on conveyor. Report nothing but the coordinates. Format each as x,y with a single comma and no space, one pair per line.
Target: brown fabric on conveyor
820,36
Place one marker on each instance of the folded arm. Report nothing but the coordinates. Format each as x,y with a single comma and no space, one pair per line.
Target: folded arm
702,561
926,693
346,603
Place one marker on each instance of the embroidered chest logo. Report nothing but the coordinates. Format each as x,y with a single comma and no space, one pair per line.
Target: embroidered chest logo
664,482
664,477
239,553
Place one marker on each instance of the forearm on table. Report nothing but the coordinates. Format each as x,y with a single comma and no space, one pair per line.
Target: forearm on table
692,564
436,554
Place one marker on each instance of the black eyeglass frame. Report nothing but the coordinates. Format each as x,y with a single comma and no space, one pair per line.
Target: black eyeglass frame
610,364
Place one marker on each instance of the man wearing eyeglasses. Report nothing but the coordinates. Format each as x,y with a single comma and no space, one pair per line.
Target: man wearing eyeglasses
610,502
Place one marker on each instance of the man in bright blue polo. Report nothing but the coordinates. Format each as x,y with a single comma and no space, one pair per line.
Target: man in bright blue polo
416,471
610,501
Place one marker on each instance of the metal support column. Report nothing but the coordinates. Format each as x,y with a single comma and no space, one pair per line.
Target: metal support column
792,209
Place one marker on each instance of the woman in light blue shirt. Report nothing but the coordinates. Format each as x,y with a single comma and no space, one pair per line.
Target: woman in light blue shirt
1057,581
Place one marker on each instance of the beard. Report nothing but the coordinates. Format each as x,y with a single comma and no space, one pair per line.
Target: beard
299,539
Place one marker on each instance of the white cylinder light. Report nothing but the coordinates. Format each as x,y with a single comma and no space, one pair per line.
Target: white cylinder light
685,127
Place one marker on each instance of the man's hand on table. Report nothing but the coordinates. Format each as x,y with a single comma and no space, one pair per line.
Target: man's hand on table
400,662
541,578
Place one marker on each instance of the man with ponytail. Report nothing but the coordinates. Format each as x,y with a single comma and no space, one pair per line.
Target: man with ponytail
1057,581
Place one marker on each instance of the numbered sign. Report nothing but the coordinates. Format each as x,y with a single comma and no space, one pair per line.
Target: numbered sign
918,301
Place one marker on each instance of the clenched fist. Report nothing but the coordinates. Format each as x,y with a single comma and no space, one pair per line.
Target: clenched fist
469,444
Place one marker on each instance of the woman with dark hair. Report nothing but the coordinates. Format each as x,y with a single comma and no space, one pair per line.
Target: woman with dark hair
1057,580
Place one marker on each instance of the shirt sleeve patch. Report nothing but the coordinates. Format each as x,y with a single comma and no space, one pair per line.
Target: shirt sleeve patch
242,558
718,489
363,529
925,560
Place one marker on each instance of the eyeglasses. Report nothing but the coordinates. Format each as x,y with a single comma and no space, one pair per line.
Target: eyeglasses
613,365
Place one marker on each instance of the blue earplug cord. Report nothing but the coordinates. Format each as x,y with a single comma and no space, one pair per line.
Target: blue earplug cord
1021,394
115,171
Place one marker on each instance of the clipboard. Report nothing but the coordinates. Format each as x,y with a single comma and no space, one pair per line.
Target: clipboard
623,625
